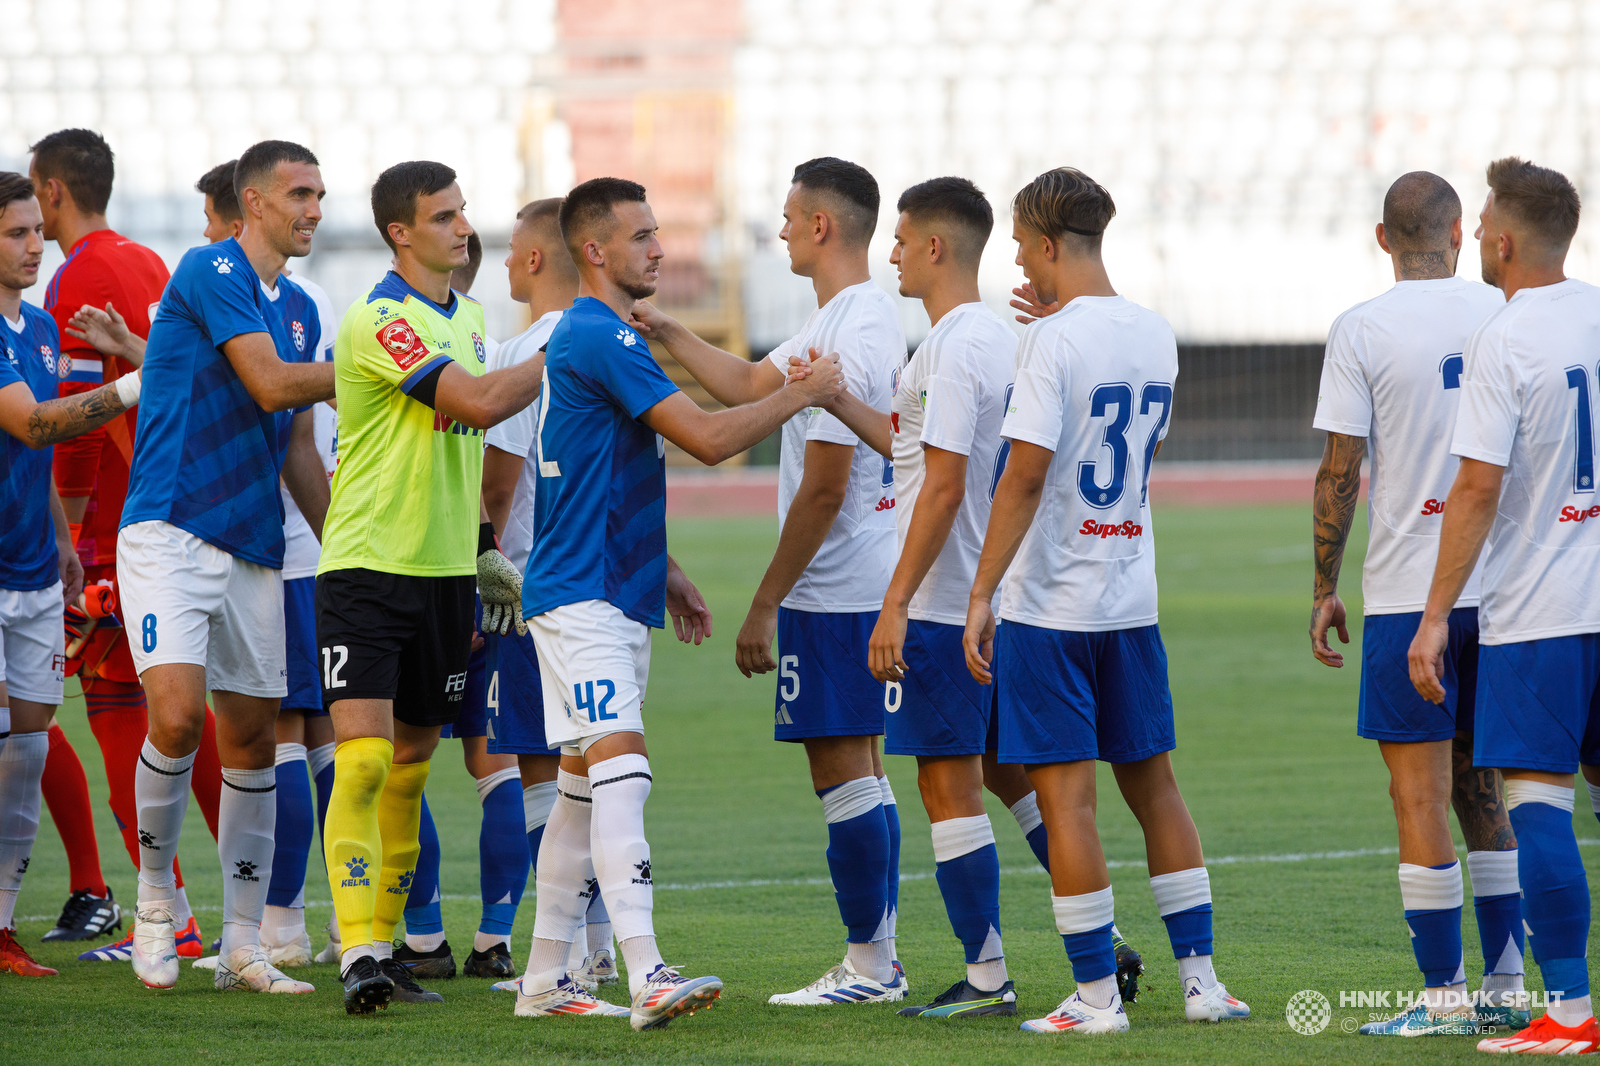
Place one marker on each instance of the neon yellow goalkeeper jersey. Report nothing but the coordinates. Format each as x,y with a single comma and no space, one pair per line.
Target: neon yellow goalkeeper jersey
406,490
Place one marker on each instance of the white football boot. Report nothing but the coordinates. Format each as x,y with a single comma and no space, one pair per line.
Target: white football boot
1076,1016
1211,1004
844,984
248,969
564,998
598,968
296,952
155,950
667,994
332,951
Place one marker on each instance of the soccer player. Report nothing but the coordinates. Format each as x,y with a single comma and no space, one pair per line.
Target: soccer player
1524,432
1392,378
827,579
201,547
395,581
1084,672
599,578
39,571
502,850
73,172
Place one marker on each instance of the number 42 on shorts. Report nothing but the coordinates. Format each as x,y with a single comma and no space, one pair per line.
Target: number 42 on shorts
583,697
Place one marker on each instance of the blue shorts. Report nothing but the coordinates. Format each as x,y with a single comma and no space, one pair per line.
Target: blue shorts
824,686
516,698
941,710
1068,696
1539,704
1390,708
473,721
300,647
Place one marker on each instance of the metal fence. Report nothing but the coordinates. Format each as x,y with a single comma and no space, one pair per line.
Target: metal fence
1245,401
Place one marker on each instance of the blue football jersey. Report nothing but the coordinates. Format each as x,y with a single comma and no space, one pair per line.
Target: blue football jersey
207,457
601,501
296,329
28,560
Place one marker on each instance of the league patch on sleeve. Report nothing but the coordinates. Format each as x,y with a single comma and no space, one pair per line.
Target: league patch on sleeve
402,343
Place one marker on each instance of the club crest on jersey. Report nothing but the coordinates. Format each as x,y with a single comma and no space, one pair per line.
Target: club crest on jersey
402,344
894,382
479,347
223,264
298,332
60,367
627,336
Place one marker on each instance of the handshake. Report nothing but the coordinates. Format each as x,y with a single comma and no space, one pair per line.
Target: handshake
819,373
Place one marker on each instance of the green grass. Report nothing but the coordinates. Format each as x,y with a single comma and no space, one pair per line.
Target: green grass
1267,757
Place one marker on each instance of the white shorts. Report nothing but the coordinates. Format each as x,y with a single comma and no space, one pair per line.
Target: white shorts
33,648
594,662
186,601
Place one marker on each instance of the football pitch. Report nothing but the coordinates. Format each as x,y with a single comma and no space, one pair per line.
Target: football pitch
1292,808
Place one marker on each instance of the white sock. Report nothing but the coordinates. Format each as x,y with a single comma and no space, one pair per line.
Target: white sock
161,796
1570,1012
1594,795
1099,992
1446,999
598,932
482,941
247,818
319,758
873,960
564,872
1197,966
622,858
424,942
281,926
641,956
579,952
350,955
21,768
987,976
537,800
181,911
1026,812
383,949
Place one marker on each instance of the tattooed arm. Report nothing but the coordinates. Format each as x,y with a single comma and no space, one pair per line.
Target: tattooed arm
39,425
1333,508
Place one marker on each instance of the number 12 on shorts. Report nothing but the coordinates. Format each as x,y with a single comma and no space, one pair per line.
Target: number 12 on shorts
583,698
333,660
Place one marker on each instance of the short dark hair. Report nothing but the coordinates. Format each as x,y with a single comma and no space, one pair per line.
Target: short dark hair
462,277
852,188
217,183
82,161
1541,198
1417,212
395,193
956,202
260,160
540,210
590,204
13,187
1065,201
544,216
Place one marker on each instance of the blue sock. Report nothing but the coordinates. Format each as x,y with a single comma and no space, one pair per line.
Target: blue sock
1500,932
502,858
1555,891
292,838
858,857
891,819
324,780
970,885
1189,931
1091,954
1431,896
1039,841
422,905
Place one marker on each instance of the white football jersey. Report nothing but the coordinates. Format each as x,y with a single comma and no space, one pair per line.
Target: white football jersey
952,395
1094,386
850,572
1392,374
1528,400
301,549
517,436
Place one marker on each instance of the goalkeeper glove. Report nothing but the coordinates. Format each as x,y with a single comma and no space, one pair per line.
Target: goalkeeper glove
500,588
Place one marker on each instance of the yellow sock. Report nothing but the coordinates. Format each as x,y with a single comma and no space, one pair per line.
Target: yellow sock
400,817
351,841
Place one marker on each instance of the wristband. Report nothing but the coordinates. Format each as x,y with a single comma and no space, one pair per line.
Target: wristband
486,541
128,389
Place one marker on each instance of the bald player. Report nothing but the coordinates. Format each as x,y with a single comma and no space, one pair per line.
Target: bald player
1391,383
